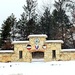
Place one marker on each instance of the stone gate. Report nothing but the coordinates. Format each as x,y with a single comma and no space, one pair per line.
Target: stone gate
24,50
37,43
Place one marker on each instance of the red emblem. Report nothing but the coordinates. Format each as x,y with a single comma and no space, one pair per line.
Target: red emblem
28,47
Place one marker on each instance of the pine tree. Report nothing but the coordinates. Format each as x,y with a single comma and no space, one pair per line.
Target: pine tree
21,25
6,28
27,23
30,9
0,38
62,20
45,24
71,9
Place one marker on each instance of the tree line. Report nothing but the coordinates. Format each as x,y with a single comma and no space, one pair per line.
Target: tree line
57,25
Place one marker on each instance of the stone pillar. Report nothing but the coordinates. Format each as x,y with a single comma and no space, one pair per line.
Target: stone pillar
37,42
25,54
52,46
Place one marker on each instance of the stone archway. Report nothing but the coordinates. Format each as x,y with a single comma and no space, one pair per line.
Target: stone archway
37,56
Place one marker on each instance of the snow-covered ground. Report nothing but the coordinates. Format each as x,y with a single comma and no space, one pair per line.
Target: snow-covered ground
38,68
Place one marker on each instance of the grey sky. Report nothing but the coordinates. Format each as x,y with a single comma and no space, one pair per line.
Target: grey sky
15,6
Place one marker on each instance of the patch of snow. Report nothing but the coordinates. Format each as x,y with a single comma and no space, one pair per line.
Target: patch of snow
38,35
6,51
38,68
55,41
64,50
38,60
15,42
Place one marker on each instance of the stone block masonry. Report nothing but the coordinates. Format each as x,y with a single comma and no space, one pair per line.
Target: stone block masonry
23,50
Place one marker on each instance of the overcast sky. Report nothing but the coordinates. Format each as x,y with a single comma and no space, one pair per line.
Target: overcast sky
15,6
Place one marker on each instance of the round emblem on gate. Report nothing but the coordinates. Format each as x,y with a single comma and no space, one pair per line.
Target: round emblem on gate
44,46
28,47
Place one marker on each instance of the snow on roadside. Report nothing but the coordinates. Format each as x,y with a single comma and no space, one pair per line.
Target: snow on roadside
38,68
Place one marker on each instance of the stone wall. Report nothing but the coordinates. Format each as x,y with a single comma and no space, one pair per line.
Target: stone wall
6,57
52,52
27,55
14,56
67,55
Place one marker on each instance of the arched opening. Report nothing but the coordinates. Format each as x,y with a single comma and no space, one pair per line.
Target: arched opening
37,56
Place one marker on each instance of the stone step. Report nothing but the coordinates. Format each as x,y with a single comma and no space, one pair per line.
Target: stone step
38,60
